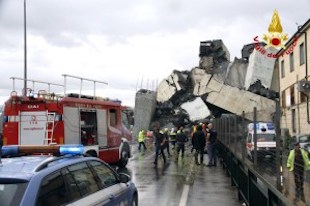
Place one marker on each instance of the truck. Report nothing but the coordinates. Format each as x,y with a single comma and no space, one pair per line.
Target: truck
43,117
266,139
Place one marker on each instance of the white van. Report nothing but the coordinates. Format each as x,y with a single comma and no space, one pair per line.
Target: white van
266,139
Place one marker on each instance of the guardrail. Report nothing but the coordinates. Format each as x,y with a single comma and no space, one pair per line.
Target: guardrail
262,180
252,188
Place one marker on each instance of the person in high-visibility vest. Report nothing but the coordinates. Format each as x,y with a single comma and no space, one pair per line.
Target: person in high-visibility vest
173,139
141,139
297,163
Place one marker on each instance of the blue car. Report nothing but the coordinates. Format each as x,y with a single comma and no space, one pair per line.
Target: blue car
62,176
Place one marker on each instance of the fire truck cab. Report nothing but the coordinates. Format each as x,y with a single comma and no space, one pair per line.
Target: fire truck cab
46,118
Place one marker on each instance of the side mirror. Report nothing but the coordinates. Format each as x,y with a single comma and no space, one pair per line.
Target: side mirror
124,178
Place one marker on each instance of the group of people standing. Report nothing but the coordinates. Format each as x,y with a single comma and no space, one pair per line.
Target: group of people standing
202,135
205,135
162,139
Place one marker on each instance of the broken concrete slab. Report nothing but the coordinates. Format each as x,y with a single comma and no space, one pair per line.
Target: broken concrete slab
165,91
231,98
236,101
176,82
236,73
196,109
260,67
214,56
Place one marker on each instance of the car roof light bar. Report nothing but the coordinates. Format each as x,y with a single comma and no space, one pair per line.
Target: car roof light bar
15,150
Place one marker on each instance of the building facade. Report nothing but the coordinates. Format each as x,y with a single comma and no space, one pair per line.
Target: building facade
293,65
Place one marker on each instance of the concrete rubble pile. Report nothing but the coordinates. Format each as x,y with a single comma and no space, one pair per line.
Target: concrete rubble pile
215,87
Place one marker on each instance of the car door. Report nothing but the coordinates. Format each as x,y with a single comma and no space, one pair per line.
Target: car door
119,193
83,187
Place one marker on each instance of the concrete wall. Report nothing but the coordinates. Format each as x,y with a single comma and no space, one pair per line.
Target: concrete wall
145,104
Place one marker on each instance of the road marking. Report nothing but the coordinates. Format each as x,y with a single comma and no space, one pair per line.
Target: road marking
184,196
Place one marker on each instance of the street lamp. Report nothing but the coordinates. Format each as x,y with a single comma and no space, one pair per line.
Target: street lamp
25,52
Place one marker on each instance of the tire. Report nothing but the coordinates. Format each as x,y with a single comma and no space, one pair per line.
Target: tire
134,201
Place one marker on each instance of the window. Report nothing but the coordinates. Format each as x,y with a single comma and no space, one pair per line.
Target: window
303,97
282,69
266,137
52,191
283,98
105,174
72,187
293,120
113,118
292,92
11,193
291,61
83,178
302,54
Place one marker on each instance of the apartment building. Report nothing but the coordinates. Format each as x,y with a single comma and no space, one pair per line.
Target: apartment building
294,69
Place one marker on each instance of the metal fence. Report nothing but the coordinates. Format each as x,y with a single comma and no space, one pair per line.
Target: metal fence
262,178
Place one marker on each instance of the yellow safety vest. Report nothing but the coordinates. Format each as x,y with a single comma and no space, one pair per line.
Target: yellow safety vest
141,136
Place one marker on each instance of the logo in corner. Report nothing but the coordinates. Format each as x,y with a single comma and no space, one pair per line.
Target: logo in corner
275,37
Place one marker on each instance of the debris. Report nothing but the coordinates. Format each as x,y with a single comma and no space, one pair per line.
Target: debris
216,87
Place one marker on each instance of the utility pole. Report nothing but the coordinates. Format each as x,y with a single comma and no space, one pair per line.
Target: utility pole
25,51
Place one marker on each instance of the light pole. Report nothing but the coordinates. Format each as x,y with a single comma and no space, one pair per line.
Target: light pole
25,51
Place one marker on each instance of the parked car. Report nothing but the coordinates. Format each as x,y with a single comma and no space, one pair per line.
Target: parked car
307,148
303,139
64,178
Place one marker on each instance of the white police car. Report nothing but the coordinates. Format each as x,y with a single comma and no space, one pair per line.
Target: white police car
62,177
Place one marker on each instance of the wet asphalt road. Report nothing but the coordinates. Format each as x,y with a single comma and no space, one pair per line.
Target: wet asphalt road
179,183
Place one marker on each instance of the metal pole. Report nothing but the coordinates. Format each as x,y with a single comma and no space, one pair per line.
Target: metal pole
94,90
243,136
65,83
255,136
25,51
229,131
278,146
235,134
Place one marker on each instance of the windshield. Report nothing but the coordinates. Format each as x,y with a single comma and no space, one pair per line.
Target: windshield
266,137
11,194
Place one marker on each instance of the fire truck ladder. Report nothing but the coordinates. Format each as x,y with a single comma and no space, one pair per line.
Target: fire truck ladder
49,132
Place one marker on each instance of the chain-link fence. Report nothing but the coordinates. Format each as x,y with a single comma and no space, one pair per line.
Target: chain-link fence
260,146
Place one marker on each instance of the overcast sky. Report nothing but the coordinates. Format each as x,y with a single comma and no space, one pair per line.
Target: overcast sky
127,42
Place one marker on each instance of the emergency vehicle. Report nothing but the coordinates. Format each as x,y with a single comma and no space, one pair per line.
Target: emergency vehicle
42,118
266,139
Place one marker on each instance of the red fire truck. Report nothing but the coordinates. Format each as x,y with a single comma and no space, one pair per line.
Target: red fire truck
46,118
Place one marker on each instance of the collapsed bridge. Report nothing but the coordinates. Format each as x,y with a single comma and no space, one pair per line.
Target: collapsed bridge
214,87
